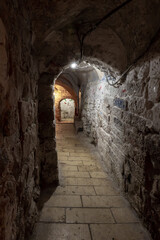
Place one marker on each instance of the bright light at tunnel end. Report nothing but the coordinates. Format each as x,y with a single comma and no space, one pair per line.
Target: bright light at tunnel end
73,65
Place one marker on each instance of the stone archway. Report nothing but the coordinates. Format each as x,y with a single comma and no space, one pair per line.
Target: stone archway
46,125
61,91
67,109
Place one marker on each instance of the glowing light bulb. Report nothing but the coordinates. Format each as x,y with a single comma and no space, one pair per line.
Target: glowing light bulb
73,65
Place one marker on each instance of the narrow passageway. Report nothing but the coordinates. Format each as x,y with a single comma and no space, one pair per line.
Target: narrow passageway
86,205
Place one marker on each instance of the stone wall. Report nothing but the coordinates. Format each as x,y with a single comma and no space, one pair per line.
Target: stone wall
47,152
19,167
124,123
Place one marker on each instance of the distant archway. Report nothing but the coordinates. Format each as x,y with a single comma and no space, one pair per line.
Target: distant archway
62,92
67,110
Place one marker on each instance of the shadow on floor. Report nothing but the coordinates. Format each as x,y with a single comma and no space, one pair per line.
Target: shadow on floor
46,192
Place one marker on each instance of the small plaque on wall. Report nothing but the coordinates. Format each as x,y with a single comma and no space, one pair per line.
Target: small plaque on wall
120,103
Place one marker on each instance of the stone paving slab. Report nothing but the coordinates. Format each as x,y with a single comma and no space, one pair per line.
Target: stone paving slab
104,201
87,215
89,168
61,232
64,201
71,163
64,167
124,215
118,232
85,159
50,214
76,174
80,154
70,150
98,175
60,154
86,205
90,163
75,190
62,158
85,181
106,190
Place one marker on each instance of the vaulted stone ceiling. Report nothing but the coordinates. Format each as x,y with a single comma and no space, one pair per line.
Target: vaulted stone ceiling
117,41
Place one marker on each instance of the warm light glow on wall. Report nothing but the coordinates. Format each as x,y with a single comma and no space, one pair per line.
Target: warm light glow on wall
61,93
57,94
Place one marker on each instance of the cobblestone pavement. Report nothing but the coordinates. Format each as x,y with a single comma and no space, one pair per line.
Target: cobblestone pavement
86,205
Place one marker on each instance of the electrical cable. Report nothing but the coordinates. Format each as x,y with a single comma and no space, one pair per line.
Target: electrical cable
135,61
82,38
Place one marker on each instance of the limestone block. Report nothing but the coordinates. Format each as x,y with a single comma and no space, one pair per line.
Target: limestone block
118,231
137,105
137,171
154,90
87,215
152,146
154,67
132,75
117,112
143,71
30,140
117,123
62,231
138,123
156,117
133,137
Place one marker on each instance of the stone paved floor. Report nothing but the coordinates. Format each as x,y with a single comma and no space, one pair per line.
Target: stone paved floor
86,205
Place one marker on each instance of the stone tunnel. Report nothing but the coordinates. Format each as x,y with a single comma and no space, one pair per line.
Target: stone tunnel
79,120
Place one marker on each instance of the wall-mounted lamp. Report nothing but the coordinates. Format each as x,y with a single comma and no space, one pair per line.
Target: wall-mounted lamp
73,65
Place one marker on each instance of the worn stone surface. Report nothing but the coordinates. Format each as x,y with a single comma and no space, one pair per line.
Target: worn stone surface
118,231
85,210
37,39
62,232
19,165
87,215
52,215
124,123
47,152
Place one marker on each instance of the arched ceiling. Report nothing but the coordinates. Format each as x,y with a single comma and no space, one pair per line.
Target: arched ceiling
66,87
117,41
76,78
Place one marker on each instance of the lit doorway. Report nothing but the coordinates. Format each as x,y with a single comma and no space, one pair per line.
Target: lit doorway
67,109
